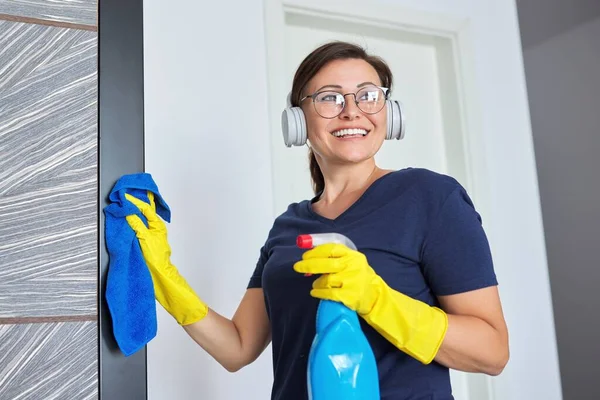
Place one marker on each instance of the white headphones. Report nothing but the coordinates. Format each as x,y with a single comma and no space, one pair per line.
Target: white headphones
293,123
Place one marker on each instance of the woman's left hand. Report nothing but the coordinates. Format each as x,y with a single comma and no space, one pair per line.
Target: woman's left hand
411,325
347,276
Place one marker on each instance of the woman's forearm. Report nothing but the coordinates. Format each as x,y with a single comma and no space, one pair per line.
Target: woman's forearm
235,343
473,345
220,338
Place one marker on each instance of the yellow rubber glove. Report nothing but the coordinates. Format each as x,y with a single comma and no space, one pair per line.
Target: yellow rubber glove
170,288
413,326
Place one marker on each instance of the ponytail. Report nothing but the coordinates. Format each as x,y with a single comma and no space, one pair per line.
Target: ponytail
318,180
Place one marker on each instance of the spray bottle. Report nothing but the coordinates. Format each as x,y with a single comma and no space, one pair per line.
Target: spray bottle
341,364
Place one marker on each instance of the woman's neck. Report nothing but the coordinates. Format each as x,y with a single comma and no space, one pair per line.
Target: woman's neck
344,181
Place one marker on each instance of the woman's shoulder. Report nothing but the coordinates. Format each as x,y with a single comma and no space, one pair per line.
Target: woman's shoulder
425,181
286,221
294,211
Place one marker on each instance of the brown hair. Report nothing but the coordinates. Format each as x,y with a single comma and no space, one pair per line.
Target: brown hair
312,64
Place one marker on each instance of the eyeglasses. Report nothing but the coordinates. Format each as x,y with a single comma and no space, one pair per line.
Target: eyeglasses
329,103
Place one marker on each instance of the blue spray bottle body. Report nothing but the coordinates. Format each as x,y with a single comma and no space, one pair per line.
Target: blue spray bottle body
341,363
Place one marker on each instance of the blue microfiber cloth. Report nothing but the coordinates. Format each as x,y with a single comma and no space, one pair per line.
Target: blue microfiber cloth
129,287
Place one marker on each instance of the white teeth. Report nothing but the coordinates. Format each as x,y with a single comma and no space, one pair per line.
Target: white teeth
348,132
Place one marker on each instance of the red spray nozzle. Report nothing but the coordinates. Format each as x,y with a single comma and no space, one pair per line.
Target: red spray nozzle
304,241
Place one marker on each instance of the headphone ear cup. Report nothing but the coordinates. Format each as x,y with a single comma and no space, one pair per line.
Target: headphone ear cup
396,123
293,126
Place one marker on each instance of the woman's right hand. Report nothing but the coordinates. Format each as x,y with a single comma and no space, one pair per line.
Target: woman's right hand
170,288
234,342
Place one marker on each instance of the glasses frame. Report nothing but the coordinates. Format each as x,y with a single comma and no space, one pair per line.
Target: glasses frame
313,96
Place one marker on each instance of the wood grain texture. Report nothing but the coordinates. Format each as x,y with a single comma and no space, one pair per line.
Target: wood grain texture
49,361
48,171
72,11
41,320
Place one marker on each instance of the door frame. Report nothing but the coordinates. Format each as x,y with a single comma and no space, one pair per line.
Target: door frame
120,152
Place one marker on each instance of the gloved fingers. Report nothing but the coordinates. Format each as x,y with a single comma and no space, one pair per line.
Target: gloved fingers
148,210
152,203
137,225
154,221
137,202
327,250
319,265
328,294
328,281
350,262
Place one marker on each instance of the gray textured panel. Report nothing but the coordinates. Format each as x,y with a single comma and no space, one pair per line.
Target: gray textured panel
49,361
72,11
48,170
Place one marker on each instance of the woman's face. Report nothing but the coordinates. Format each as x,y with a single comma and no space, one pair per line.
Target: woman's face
353,136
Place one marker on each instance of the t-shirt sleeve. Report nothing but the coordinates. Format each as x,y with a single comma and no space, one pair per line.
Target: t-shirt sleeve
256,278
456,255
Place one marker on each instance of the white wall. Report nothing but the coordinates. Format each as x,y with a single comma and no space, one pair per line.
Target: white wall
208,150
210,157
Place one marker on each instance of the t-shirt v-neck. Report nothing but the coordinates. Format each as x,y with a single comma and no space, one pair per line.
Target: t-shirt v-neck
354,210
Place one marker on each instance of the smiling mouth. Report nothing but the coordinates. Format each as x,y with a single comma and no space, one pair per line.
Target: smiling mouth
355,132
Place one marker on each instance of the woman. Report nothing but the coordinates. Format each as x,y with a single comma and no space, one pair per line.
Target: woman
422,281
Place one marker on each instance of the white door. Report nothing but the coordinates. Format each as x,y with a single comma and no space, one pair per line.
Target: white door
458,73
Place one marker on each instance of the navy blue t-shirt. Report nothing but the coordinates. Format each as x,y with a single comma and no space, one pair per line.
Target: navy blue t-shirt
419,231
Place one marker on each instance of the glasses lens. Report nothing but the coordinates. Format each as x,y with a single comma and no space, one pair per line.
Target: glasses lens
329,104
370,99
